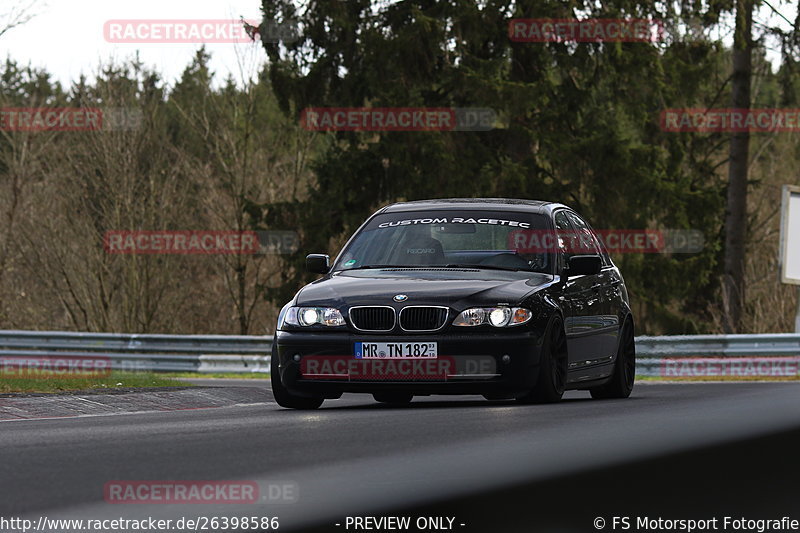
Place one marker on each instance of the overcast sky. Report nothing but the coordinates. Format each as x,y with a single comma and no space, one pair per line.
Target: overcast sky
66,36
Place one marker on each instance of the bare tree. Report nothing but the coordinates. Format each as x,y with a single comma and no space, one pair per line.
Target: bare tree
254,157
14,13
123,178
22,159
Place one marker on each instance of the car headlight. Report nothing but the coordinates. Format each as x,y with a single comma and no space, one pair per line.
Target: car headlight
471,317
499,316
310,316
496,316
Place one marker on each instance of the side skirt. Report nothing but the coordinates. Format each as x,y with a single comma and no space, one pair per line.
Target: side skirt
589,376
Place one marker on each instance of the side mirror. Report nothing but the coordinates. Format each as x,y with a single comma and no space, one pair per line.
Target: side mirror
318,263
584,265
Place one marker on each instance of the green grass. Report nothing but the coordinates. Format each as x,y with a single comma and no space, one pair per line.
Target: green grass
222,375
719,378
115,380
141,380
254,375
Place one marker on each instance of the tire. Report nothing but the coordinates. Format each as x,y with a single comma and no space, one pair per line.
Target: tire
552,378
396,398
624,375
283,396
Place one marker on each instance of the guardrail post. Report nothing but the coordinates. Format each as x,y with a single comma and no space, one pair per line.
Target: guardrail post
797,316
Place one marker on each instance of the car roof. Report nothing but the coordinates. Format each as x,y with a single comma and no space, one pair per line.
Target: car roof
495,204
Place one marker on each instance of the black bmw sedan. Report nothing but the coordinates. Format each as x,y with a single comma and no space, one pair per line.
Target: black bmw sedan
502,298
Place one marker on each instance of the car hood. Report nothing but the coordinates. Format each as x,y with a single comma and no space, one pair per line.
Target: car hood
450,287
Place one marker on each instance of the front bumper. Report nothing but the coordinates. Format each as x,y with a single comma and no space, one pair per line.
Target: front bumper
472,362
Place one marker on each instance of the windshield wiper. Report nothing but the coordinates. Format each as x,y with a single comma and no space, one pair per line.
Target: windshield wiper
486,267
450,265
367,267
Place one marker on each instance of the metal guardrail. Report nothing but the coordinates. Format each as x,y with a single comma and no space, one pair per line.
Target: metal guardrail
753,355
245,354
140,352
753,345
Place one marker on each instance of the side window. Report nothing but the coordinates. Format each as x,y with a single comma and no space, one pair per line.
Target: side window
565,233
587,239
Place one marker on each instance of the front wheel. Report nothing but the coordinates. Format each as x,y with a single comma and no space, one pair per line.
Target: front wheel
283,396
552,378
622,379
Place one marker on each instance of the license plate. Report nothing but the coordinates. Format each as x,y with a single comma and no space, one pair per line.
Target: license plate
396,350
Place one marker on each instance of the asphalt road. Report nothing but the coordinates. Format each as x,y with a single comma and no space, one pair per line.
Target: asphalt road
357,457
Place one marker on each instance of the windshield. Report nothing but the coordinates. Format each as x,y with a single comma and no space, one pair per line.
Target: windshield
473,239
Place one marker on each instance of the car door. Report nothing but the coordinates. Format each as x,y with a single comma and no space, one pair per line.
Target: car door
580,298
605,318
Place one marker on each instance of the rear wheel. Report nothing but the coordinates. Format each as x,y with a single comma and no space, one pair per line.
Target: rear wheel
397,398
552,378
283,396
622,379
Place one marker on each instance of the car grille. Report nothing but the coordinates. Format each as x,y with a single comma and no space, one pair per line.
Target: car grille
372,318
421,318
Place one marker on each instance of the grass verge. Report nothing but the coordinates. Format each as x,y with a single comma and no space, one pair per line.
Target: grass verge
258,375
718,378
218,375
115,380
141,380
